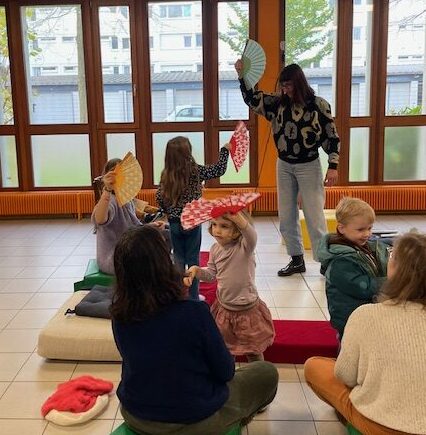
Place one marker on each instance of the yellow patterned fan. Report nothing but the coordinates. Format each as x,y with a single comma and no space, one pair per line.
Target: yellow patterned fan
254,61
128,179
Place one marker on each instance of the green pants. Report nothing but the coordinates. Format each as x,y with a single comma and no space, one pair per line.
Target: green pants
253,387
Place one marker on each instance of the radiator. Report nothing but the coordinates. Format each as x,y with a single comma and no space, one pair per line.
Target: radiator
381,198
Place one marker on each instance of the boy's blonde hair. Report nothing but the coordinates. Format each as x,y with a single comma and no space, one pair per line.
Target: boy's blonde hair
237,232
348,208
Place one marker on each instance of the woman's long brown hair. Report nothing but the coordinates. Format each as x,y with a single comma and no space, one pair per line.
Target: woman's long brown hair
302,92
146,278
408,282
179,166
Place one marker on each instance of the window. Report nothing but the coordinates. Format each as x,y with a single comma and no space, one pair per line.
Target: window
49,104
47,40
373,125
313,39
187,41
49,70
6,101
70,69
356,34
359,154
175,11
61,160
117,88
124,11
231,16
8,162
198,39
361,61
402,96
405,148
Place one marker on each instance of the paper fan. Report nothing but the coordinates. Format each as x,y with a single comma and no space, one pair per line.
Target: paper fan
202,210
240,142
196,212
254,61
128,179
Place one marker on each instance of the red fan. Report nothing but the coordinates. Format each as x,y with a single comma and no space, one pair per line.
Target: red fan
240,142
202,210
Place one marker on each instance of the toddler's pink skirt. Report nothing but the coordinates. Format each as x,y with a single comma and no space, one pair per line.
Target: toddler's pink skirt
245,332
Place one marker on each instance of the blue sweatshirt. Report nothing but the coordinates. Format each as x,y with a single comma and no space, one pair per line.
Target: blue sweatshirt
175,365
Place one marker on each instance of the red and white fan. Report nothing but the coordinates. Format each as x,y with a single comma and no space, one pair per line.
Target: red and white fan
240,142
202,210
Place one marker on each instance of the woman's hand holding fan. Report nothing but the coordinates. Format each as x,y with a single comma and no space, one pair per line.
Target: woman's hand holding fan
128,179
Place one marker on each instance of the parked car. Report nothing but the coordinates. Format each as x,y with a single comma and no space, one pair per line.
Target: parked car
188,113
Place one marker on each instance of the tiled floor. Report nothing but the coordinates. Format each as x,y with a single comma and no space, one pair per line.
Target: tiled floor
40,260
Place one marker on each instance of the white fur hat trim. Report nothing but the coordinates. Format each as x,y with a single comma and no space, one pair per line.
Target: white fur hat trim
65,418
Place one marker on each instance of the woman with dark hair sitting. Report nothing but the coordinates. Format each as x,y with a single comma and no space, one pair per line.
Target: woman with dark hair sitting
378,382
177,375
301,124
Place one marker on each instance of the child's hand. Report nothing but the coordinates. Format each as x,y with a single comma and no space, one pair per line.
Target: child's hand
193,271
187,281
190,274
109,180
238,218
227,146
159,224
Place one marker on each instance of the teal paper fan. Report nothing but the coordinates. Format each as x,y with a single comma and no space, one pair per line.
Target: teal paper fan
254,61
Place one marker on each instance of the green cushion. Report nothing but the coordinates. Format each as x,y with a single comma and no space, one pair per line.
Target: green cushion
236,430
123,429
93,276
352,430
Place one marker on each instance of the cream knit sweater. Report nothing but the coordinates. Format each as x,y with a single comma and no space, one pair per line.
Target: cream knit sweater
383,357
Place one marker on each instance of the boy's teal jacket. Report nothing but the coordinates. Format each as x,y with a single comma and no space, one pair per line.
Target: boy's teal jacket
352,279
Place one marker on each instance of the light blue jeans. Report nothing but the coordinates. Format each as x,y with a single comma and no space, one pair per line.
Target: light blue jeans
306,179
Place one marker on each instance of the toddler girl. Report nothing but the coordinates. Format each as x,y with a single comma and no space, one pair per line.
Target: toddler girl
242,317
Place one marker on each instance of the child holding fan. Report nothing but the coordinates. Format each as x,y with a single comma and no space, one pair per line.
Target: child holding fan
242,317
181,182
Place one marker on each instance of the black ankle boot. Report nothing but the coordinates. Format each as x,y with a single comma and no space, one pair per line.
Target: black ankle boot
296,265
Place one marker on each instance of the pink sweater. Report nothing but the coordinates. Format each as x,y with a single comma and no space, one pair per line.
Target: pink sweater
233,265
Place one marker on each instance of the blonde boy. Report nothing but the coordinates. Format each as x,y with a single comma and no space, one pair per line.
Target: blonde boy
355,266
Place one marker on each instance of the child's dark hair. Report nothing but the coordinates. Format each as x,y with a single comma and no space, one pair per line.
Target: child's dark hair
146,279
110,165
179,167
302,92
408,282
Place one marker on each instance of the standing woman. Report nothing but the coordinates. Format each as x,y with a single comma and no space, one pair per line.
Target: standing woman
301,123
378,382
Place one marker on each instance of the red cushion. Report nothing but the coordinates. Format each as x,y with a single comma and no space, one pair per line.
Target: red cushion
295,340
